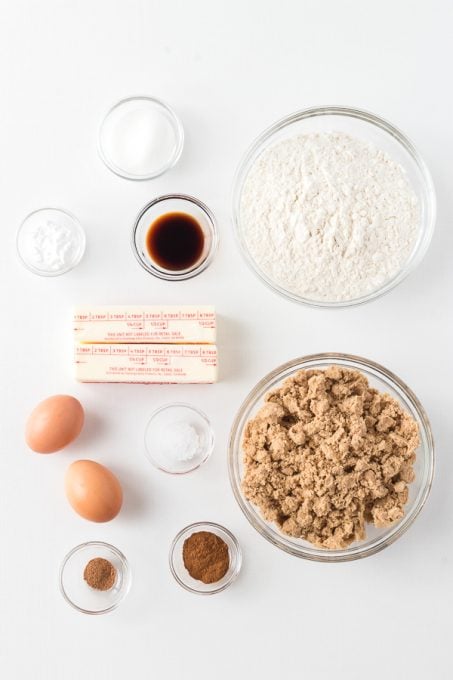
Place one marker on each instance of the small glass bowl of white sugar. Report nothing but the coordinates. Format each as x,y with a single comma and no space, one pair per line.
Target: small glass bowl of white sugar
140,138
178,438
50,242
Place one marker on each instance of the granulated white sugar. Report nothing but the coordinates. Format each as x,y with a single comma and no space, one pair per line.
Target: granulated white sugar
328,217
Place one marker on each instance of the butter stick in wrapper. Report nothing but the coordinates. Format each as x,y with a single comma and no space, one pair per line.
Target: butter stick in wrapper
162,324
145,363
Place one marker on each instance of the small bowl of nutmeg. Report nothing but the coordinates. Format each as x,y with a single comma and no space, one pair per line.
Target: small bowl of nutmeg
205,558
95,577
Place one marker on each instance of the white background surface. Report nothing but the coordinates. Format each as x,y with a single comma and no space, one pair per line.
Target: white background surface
229,69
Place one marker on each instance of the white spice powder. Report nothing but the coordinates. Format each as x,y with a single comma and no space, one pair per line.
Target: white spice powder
180,442
328,217
52,246
50,241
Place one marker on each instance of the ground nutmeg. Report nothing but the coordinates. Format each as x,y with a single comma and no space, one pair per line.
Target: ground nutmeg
206,556
100,574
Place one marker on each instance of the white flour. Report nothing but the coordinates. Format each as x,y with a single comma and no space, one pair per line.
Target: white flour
328,217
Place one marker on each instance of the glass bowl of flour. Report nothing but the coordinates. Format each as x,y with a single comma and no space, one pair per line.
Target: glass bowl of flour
333,207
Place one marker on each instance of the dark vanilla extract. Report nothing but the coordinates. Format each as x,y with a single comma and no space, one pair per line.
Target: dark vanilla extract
175,241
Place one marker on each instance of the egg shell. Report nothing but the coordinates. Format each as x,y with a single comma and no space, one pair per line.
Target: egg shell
93,491
54,423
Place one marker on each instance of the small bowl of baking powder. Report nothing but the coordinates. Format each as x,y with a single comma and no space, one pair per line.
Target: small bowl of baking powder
333,207
50,242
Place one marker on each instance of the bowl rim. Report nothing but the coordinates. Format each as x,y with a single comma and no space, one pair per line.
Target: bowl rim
264,528
221,529
174,158
78,228
184,275
203,416
428,193
126,576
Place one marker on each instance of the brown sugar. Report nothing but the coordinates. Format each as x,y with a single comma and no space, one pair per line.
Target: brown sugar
206,556
100,574
327,454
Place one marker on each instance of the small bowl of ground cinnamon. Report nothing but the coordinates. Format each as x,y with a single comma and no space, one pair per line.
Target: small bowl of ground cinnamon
205,558
94,577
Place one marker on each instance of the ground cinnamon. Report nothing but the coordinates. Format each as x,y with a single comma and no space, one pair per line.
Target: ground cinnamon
100,574
206,556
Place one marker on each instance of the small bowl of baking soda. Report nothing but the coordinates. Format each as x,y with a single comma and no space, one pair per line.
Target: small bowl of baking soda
178,438
50,242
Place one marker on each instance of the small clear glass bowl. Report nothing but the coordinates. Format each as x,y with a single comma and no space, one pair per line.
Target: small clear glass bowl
76,590
47,217
126,108
376,539
181,574
161,428
369,128
168,204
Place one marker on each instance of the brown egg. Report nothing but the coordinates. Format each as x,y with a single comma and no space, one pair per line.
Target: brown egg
54,423
93,491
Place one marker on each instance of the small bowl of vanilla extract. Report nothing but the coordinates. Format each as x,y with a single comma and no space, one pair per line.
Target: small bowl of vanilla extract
175,237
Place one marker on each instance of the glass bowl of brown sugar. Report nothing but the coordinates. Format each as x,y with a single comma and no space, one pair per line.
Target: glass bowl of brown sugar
324,497
205,558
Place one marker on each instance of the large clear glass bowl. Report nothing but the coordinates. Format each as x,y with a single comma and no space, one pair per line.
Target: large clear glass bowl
365,126
376,539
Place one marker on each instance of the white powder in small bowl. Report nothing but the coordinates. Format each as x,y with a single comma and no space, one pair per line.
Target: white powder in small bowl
178,438
180,442
50,242
328,217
